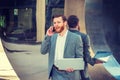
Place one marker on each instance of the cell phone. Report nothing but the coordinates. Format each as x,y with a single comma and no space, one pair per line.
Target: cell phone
53,29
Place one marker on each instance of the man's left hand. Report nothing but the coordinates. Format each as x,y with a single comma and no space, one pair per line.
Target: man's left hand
98,61
69,69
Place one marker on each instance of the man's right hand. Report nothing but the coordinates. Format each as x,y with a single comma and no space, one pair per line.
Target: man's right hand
50,31
99,61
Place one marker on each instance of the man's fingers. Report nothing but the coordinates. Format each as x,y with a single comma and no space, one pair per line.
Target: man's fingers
69,69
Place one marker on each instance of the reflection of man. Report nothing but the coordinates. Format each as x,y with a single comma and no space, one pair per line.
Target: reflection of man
61,44
1,32
73,23
2,26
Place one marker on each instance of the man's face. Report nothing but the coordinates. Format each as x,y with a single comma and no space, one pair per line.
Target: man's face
58,24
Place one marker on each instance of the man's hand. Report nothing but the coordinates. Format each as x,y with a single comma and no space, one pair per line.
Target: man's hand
50,31
69,69
98,61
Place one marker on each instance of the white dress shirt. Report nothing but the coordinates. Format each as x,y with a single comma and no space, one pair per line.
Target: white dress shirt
59,50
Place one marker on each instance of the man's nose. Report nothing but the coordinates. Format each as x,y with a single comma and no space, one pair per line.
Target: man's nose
55,25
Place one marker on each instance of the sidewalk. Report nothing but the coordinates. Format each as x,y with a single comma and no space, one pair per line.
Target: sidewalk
27,60
6,70
29,64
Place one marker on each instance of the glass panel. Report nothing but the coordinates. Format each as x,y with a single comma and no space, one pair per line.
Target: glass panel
19,20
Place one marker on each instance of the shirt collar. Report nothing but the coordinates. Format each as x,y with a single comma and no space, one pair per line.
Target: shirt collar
64,34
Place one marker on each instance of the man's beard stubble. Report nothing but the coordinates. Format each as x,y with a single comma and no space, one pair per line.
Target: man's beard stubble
60,29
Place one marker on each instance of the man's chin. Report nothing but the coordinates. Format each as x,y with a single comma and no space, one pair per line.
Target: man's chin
57,31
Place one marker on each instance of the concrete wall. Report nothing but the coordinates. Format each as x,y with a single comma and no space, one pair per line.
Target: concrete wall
76,7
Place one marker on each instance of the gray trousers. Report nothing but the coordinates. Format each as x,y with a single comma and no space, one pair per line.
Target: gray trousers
63,75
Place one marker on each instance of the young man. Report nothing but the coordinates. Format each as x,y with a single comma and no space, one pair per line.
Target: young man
61,44
73,23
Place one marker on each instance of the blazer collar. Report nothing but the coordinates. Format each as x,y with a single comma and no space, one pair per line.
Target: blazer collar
67,39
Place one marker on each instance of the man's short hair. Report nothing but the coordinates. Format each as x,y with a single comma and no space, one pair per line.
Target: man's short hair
63,17
72,21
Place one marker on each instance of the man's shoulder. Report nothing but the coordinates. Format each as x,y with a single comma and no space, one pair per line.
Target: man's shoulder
74,35
83,34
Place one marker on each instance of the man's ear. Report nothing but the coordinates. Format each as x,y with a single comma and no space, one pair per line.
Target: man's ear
65,23
79,27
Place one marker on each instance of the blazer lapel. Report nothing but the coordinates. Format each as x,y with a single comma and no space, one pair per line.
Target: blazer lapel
67,40
54,42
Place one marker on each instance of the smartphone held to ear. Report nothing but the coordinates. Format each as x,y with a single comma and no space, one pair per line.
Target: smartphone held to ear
53,29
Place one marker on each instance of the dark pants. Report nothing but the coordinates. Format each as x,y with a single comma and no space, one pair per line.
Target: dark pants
84,75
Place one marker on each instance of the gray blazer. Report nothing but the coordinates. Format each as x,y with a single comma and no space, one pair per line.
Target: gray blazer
73,48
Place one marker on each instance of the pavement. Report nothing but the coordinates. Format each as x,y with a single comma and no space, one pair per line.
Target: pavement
29,64
27,61
6,70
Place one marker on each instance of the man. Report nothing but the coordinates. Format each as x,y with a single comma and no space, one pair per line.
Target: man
73,23
61,44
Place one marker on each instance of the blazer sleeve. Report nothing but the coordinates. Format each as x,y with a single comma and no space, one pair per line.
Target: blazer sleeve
79,47
86,48
45,46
